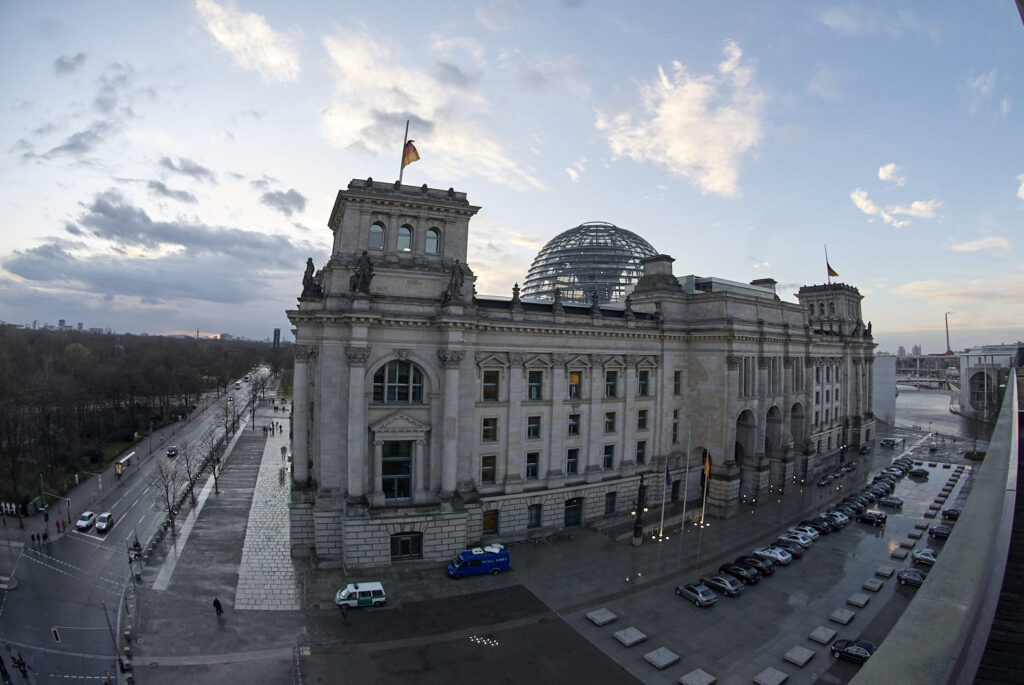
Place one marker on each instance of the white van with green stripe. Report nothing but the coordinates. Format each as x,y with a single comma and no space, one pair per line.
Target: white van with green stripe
361,595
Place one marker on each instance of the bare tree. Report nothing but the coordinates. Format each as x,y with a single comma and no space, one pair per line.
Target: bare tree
166,480
192,460
210,446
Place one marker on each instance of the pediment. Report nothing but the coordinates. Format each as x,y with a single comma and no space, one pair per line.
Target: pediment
537,360
490,359
577,362
399,422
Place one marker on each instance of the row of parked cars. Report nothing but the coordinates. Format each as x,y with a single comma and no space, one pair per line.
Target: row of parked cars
103,522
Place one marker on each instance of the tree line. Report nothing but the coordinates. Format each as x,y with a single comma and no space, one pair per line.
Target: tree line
71,401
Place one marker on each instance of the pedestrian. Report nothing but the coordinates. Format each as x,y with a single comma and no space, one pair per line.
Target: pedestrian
46,537
217,607
58,527
33,539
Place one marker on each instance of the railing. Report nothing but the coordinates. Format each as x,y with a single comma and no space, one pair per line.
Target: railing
942,633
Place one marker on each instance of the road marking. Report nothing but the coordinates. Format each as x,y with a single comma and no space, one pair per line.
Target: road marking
132,505
52,562
163,578
140,521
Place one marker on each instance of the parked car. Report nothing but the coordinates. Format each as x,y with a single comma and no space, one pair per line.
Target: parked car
881,488
852,466
763,566
806,530
864,449
911,576
940,532
919,473
869,495
698,593
727,585
857,651
894,502
361,595
925,557
823,527
894,471
172,451
834,517
774,554
855,503
825,481
845,509
875,518
798,538
951,514
85,521
748,575
795,550
104,522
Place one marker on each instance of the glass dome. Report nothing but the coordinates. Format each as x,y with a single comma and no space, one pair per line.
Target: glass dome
593,257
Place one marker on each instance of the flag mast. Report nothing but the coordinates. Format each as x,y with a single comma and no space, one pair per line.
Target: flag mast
828,268
405,141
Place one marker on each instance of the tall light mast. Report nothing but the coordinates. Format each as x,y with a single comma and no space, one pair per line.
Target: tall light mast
949,350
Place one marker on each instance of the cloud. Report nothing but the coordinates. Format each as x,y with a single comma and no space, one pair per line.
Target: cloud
1004,107
187,167
83,142
697,126
996,244
499,16
1007,290
452,75
1020,190
250,40
919,209
547,75
573,174
824,83
66,64
113,82
159,188
287,203
577,168
890,172
374,96
856,20
976,90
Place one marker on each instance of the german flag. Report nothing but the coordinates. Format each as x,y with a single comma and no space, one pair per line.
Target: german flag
831,271
409,155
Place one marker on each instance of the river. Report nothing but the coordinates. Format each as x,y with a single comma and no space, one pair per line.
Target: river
929,410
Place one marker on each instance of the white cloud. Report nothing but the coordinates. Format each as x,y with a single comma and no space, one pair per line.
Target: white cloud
499,16
866,205
1004,107
856,20
761,265
542,75
1007,290
697,126
824,83
993,243
1020,191
374,95
573,174
890,172
920,209
977,90
248,37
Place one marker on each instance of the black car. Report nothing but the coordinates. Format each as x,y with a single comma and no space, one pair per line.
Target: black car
846,510
854,503
727,585
172,451
852,466
868,495
823,527
951,514
826,480
940,532
875,518
911,576
919,473
857,651
763,566
795,549
864,449
748,575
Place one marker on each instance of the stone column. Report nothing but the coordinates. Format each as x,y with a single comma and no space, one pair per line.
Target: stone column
328,427
376,474
356,452
422,480
509,472
450,359
592,452
624,455
300,404
559,420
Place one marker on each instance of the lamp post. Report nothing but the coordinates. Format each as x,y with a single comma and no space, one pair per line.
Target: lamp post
949,350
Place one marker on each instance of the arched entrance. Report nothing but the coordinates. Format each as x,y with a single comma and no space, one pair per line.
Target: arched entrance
745,454
773,446
574,512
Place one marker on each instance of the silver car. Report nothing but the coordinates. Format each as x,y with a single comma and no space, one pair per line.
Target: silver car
698,593
774,554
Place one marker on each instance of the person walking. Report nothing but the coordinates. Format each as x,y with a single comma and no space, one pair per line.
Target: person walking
217,607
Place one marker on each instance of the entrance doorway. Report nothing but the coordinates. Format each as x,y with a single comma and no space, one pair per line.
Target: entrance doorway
574,512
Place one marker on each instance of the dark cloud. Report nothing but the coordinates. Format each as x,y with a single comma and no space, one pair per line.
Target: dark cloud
66,64
252,114
113,83
187,167
73,230
83,142
44,129
451,75
287,203
182,196
384,125
23,148
262,183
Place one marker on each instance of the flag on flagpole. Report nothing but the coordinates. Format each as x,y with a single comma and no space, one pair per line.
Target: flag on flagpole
831,271
668,478
410,155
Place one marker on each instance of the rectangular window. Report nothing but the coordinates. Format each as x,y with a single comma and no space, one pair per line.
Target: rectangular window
817,397
489,430
491,380
828,374
575,381
609,456
574,424
641,451
396,469
490,522
487,469
572,461
533,513
535,385
532,465
641,420
677,382
826,416
817,374
611,384
643,383
609,503
533,427
675,426
817,417
827,395
609,422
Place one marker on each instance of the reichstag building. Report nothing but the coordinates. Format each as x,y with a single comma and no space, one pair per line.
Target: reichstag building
428,418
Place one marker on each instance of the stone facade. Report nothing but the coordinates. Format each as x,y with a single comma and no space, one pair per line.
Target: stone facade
428,418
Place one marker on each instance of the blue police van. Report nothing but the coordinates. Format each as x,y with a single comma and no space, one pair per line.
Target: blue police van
490,559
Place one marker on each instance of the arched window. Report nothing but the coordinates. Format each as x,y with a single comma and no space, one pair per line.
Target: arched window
377,237
832,308
433,241
821,309
405,239
812,309
398,382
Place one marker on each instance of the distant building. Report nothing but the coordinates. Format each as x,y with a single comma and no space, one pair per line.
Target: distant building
277,338
226,336
901,351
916,350
983,375
428,418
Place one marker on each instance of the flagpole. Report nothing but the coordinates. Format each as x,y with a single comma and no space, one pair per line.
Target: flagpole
707,475
664,489
827,274
686,478
401,161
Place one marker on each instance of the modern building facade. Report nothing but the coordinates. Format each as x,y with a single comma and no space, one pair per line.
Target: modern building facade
428,418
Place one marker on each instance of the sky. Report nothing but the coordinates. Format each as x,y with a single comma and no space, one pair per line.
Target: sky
167,168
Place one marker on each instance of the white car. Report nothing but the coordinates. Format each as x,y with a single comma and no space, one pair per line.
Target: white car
774,554
799,538
837,517
925,557
85,521
806,530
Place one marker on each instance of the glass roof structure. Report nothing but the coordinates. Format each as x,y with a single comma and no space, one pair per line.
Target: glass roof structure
595,257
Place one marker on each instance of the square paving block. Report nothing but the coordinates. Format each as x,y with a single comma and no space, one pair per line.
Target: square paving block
946,466
842,616
887,571
629,636
930,514
932,507
899,554
770,676
858,599
915,534
661,658
822,635
907,544
873,584
799,656
697,676
933,464
920,526
602,616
